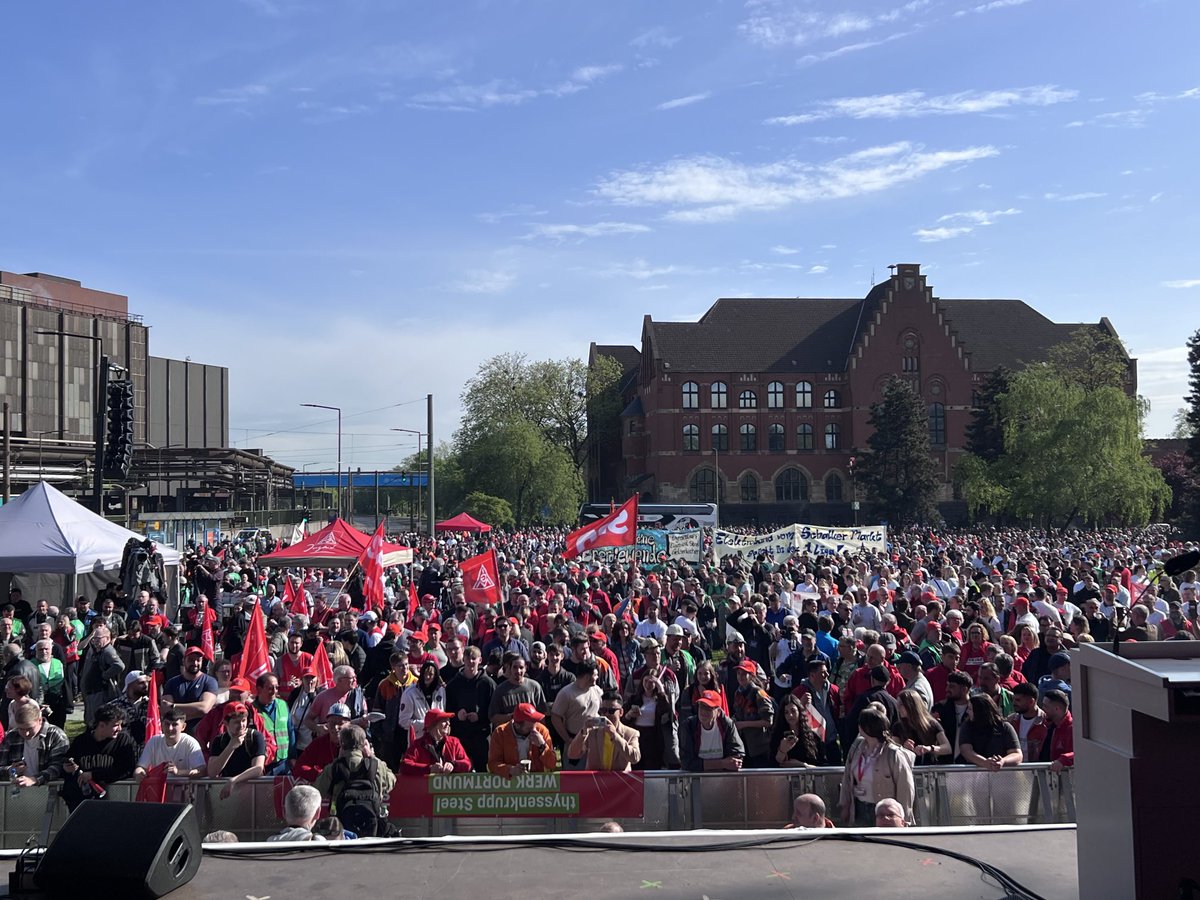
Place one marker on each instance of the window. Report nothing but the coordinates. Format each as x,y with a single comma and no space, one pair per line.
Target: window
691,395
704,486
833,488
749,488
720,438
775,395
804,395
832,400
719,395
791,485
833,436
747,400
775,439
912,364
804,437
691,437
749,435
937,424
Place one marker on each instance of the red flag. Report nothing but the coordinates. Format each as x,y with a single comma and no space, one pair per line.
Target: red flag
372,566
293,598
413,602
206,636
323,667
254,659
618,529
153,788
481,578
153,725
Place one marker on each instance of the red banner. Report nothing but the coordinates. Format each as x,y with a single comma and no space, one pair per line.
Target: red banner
590,795
617,529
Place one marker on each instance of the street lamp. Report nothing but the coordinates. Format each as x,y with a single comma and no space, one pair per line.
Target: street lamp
101,385
338,410
419,434
40,435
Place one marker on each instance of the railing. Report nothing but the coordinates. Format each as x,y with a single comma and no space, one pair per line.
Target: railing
674,801
24,295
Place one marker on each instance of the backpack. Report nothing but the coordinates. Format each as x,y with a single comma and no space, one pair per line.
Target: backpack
358,803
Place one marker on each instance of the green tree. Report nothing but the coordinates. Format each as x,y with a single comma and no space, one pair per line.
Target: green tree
1091,358
985,432
1191,499
495,511
897,469
515,461
1070,454
1181,430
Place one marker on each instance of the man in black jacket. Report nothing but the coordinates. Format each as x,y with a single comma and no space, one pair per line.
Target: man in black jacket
98,757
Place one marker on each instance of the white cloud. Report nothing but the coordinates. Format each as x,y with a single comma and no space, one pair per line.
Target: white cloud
782,23
960,224
520,210
484,281
1072,198
1157,97
1182,283
714,188
655,37
684,101
813,58
640,270
498,92
785,251
913,104
817,270
561,232
235,96
993,5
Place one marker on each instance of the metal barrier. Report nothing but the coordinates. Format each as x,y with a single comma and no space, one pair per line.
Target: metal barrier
674,801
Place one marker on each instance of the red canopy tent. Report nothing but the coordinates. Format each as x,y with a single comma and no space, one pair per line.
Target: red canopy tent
337,544
463,522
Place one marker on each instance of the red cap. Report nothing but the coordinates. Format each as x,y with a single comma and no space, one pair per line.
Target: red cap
748,665
1008,582
235,708
437,715
710,699
240,684
198,651
1061,591
421,636
527,712
153,620
599,637
308,670
928,597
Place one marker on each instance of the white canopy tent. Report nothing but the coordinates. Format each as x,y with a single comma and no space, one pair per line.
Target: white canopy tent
52,547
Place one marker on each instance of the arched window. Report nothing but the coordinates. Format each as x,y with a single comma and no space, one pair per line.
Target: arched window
749,488
832,400
937,424
749,435
804,394
703,488
775,395
775,439
791,484
720,438
691,395
691,437
833,436
747,400
833,488
804,437
719,395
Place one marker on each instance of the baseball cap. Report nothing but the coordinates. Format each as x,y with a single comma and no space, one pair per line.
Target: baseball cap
601,638
437,715
235,708
887,639
135,675
194,651
527,712
735,637
710,699
341,710
1059,659
911,658
748,665
240,684
309,670
808,633
674,631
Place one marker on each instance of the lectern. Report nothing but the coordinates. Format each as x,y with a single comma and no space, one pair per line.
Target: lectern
1137,774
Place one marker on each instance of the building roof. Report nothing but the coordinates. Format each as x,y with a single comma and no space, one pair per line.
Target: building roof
626,355
796,334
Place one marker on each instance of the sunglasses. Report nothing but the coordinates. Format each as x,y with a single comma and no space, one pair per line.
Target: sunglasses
609,709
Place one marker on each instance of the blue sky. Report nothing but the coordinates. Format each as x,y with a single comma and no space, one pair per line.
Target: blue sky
354,202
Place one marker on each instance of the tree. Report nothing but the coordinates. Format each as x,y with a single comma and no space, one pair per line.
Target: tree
516,462
1070,453
493,510
897,469
1090,358
1180,478
985,432
1191,499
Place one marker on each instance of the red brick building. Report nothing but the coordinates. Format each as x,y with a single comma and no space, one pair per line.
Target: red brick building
774,394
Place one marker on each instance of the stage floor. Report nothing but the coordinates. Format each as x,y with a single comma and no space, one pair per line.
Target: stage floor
802,864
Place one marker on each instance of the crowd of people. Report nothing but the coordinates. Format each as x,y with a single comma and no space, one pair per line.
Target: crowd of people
952,647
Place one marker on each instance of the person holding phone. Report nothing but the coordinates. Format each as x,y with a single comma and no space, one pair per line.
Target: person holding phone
605,744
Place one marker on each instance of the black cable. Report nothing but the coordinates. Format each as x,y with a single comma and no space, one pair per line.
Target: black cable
1015,889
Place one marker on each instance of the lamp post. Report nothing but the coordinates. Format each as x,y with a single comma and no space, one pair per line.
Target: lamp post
101,385
338,410
40,435
419,434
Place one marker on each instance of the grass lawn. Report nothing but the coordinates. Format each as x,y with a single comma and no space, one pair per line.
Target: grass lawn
73,728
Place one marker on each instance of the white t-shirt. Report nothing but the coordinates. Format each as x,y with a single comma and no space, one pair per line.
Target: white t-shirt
687,625
186,754
656,630
711,745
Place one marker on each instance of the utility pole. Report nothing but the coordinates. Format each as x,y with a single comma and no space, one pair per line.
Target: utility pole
429,445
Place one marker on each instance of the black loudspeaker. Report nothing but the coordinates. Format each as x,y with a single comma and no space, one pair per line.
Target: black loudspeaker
128,849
